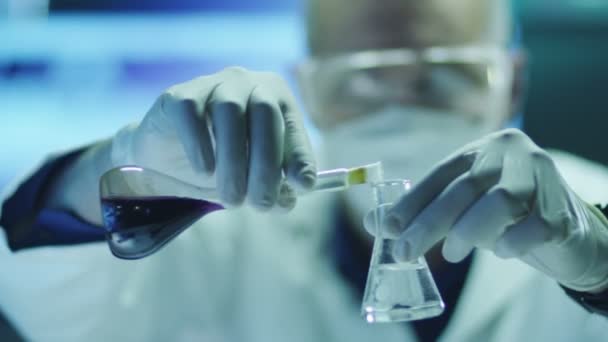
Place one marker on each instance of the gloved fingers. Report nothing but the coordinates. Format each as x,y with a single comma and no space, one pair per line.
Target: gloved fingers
455,249
227,107
521,238
435,221
187,116
373,221
551,205
411,204
287,197
299,161
483,223
369,221
266,131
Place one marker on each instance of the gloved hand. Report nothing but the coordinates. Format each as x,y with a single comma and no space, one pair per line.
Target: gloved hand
238,131
504,193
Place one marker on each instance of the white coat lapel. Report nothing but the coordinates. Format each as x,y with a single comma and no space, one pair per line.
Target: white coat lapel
489,286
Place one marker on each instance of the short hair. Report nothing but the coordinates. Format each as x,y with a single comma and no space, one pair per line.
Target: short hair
494,22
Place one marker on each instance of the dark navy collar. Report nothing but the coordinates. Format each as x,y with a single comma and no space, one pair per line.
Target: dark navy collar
351,257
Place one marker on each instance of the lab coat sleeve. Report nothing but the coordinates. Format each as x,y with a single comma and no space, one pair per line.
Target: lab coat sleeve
67,290
27,223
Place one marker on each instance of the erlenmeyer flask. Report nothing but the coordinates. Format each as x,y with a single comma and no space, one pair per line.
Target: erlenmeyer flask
396,291
144,209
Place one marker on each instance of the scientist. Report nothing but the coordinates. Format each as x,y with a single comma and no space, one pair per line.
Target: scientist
423,86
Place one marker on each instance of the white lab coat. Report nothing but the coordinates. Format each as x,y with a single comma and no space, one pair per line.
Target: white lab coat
241,276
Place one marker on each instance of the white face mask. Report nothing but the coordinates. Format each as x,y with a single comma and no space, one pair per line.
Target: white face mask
408,142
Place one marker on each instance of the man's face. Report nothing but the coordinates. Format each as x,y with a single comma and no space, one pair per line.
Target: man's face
407,113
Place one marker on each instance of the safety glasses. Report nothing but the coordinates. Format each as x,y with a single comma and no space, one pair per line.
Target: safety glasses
471,81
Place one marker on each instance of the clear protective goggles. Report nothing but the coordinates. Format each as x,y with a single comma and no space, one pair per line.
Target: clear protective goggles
474,81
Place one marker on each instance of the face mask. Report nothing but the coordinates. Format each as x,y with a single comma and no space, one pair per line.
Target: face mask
408,142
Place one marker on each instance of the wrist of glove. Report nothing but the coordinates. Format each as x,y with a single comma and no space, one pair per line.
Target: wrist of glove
585,249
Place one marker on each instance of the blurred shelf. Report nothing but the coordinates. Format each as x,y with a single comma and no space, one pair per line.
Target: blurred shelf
563,14
150,36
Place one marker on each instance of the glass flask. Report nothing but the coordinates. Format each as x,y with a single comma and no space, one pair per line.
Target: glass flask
396,291
144,209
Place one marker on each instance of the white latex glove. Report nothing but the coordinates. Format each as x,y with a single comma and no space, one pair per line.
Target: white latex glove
237,130
504,193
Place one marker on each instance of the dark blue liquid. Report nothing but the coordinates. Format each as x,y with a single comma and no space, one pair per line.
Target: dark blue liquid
139,226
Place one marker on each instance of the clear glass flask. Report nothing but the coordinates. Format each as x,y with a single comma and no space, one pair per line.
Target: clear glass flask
396,291
144,209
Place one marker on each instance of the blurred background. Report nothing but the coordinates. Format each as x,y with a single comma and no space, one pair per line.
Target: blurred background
567,43
74,71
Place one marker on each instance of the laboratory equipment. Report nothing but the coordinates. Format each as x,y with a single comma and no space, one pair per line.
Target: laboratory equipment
144,209
395,290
